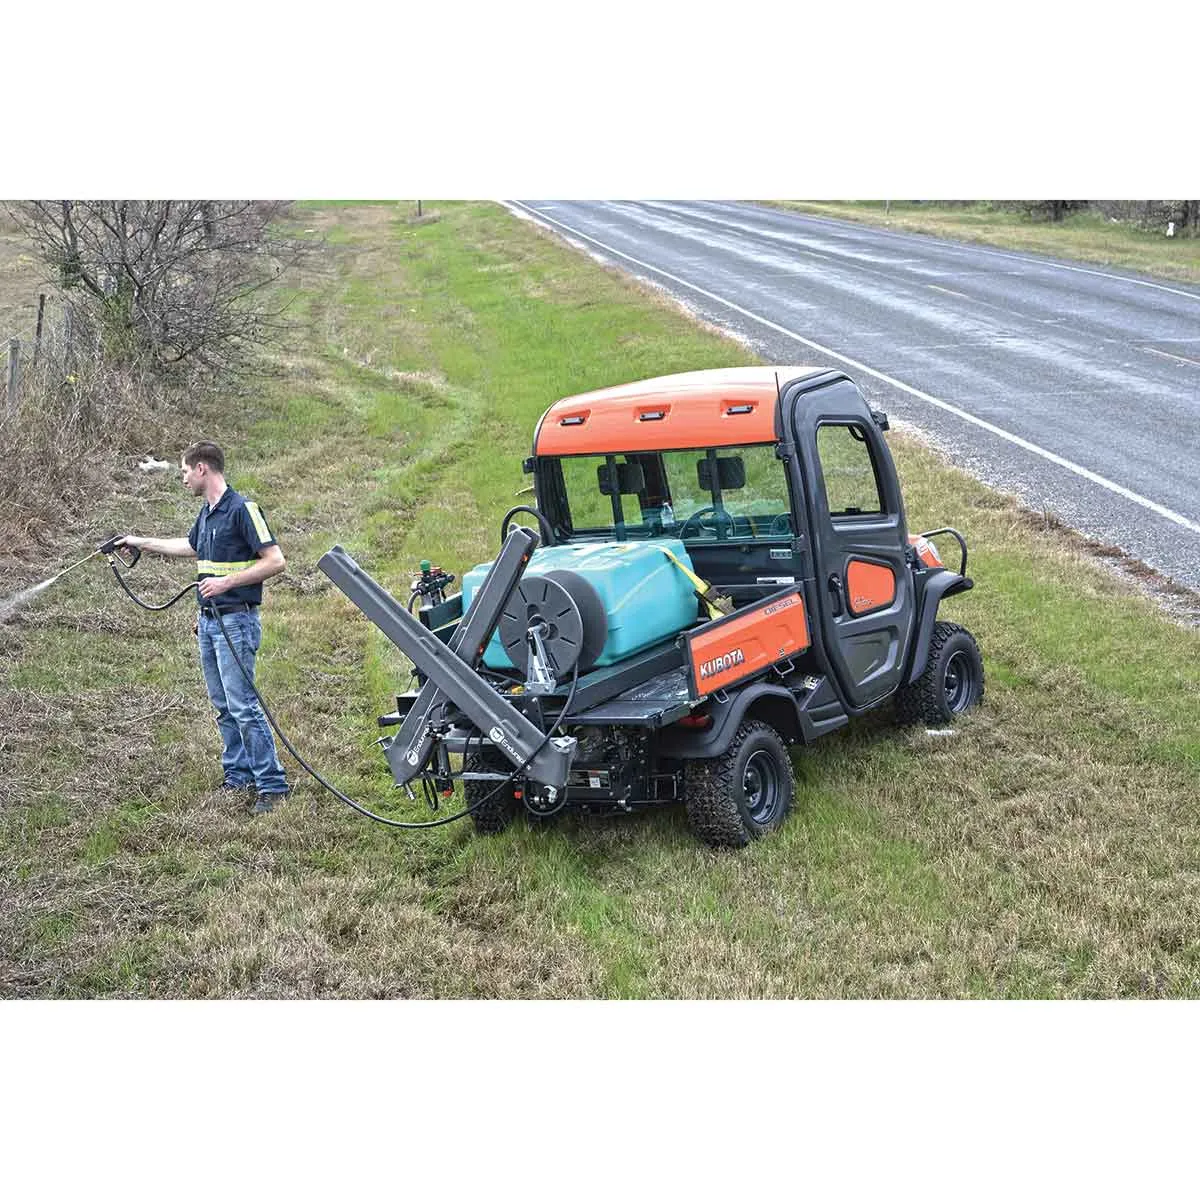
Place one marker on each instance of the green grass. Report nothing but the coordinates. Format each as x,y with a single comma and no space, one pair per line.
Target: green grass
1048,848
1084,236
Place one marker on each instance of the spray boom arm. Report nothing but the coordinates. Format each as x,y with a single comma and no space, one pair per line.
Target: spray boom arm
449,670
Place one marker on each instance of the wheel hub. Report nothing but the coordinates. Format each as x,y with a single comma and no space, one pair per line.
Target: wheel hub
760,787
957,682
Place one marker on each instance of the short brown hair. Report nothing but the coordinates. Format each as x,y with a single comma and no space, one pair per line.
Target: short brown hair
208,453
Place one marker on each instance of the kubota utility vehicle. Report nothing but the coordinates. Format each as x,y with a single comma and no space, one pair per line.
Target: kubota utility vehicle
721,567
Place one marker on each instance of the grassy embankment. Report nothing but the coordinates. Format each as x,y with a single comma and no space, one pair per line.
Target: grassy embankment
1084,237
1047,849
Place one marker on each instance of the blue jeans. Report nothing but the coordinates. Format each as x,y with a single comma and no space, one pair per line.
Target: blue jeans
249,755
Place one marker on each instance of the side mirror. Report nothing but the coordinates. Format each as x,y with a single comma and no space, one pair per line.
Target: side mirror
731,473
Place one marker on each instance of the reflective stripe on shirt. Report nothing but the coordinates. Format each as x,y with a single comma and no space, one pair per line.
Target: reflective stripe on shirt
207,567
260,524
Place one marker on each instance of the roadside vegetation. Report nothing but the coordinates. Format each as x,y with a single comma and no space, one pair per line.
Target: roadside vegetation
1085,236
122,318
1046,848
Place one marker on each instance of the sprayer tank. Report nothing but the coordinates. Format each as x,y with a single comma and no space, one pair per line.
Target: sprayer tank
647,597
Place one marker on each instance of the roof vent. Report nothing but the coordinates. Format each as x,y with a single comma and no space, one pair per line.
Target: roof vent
654,414
736,410
576,420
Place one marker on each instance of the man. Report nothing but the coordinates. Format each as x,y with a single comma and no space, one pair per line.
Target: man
235,552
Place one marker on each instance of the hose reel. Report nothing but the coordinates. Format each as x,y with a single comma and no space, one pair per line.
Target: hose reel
566,615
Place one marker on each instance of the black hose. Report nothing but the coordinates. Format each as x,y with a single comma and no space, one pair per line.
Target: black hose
142,603
366,812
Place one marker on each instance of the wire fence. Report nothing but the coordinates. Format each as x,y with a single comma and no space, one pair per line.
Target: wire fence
44,351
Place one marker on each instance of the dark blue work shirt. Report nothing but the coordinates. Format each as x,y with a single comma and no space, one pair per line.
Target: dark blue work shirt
227,538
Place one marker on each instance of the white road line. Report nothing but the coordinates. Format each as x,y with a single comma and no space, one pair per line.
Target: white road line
973,248
948,291
1165,354
961,413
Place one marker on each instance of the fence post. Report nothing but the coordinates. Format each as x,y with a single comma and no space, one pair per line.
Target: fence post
37,337
14,371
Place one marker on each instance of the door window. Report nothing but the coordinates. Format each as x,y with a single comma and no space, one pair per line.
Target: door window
851,481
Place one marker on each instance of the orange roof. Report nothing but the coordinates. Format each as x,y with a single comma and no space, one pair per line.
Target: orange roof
727,407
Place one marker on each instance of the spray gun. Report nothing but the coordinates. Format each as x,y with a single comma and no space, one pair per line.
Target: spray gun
111,550
108,547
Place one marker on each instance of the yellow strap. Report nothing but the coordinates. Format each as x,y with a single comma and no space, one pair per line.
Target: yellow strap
698,583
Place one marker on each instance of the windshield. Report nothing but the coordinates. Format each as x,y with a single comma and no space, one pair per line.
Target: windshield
735,493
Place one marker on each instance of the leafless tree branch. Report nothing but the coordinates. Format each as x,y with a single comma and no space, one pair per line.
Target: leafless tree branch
167,282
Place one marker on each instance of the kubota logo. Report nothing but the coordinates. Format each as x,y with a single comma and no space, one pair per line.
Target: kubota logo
723,662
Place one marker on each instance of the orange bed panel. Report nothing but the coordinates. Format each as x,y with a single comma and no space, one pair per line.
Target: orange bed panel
731,649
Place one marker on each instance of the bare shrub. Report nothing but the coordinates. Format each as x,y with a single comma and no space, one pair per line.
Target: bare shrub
176,284
1049,210
154,303
57,443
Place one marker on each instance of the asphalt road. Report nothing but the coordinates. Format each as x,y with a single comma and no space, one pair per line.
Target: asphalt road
1077,388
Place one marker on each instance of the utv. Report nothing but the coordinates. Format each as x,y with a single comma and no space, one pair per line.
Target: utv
721,567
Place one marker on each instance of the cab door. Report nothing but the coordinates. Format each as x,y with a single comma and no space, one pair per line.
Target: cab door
860,541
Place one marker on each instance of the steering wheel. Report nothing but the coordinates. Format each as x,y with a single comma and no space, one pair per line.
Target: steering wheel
717,513
543,524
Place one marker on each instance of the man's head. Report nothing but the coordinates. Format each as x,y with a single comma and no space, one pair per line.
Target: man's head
200,462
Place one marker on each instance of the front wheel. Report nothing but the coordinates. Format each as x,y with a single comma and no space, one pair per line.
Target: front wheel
741,794
951,683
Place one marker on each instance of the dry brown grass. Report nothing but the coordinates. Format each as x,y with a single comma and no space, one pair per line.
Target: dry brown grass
69,438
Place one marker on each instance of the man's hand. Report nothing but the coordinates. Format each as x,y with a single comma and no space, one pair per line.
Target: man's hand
135,543
214,587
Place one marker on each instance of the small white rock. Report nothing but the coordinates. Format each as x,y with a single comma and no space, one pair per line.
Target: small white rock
150,463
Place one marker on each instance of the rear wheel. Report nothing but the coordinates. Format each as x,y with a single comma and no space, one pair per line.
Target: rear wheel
497,804
951,683
741,794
